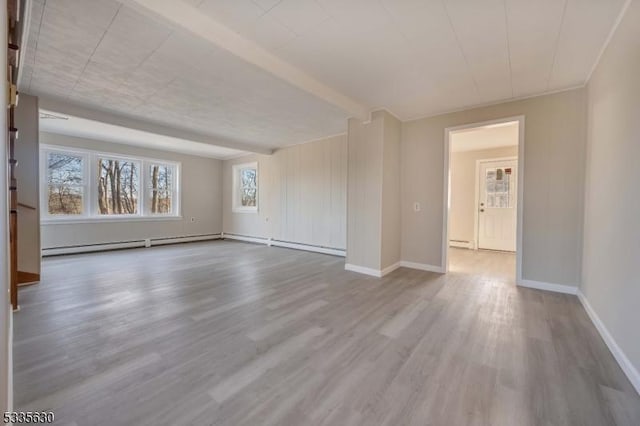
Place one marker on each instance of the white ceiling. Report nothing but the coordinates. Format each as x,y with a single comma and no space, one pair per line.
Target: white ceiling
105,55
486,137
412,57
54,122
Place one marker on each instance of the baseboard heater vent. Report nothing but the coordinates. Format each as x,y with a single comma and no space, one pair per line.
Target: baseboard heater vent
286,244
461,244
149,242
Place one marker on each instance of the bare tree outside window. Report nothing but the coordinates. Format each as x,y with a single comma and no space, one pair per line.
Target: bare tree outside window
245,188
118,183
161,179
65,184
248,187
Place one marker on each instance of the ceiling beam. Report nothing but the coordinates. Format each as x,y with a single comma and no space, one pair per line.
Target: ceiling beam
79,111
195,21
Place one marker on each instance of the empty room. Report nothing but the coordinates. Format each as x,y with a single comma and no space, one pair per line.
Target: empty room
320,212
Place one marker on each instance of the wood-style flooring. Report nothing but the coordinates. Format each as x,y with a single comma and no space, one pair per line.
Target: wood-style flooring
229,333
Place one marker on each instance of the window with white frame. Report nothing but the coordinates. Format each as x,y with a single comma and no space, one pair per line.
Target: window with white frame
88,185
245,187
66,183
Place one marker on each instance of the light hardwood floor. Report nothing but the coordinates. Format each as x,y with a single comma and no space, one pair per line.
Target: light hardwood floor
230,333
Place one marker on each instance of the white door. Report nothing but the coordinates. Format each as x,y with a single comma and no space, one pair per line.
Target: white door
497,205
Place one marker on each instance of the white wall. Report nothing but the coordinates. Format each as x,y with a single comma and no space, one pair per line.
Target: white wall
200,199
27,175
553,183
301,195
5,307
391,200
611,282
364,192
374,223
463,188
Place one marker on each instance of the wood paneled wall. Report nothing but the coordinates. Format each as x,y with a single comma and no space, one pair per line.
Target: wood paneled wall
302,195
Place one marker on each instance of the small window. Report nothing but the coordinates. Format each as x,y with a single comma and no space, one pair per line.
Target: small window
161,188
498,188
118,186
66,182
245,187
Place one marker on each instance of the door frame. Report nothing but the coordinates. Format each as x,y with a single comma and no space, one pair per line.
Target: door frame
447,188
476,216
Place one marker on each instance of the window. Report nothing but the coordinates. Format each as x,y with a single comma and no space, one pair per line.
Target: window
66,180
118,183
87,185
245,187
498,188
160,188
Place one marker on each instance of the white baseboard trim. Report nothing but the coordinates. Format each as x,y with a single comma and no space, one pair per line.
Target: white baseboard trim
305,247
363,270
378,273
246,239
286,244
461,244
627,367
55,251
557,288
389,269
422,266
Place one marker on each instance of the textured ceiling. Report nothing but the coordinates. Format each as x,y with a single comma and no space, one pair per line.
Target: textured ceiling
64,124
423,57
106,55
486,137
412,57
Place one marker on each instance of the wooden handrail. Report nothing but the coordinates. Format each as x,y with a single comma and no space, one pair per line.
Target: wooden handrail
26,206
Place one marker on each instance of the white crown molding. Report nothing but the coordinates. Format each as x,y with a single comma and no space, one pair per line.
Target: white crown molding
497,102
623,12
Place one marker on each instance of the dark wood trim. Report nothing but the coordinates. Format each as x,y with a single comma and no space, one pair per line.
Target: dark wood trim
26,278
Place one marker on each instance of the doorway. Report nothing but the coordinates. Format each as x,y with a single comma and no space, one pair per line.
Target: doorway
483,192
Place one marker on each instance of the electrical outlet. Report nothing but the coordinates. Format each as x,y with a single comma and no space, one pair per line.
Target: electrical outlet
416,207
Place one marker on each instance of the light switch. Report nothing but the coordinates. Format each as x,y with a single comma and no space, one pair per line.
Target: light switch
416,207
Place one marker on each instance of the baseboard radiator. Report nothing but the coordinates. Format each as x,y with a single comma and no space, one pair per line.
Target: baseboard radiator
149,242
286,244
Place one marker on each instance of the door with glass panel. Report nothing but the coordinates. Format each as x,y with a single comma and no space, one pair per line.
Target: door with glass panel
497,205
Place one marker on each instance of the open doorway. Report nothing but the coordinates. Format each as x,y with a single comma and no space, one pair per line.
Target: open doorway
483,171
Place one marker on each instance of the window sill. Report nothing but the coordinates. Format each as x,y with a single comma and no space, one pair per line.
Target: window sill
72,221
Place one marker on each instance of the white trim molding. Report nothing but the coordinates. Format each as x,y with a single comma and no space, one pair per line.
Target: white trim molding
363,270
245,238
625,363
379,273
286,244
446,190
461,244
557,288
308,247
389,269
422,267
